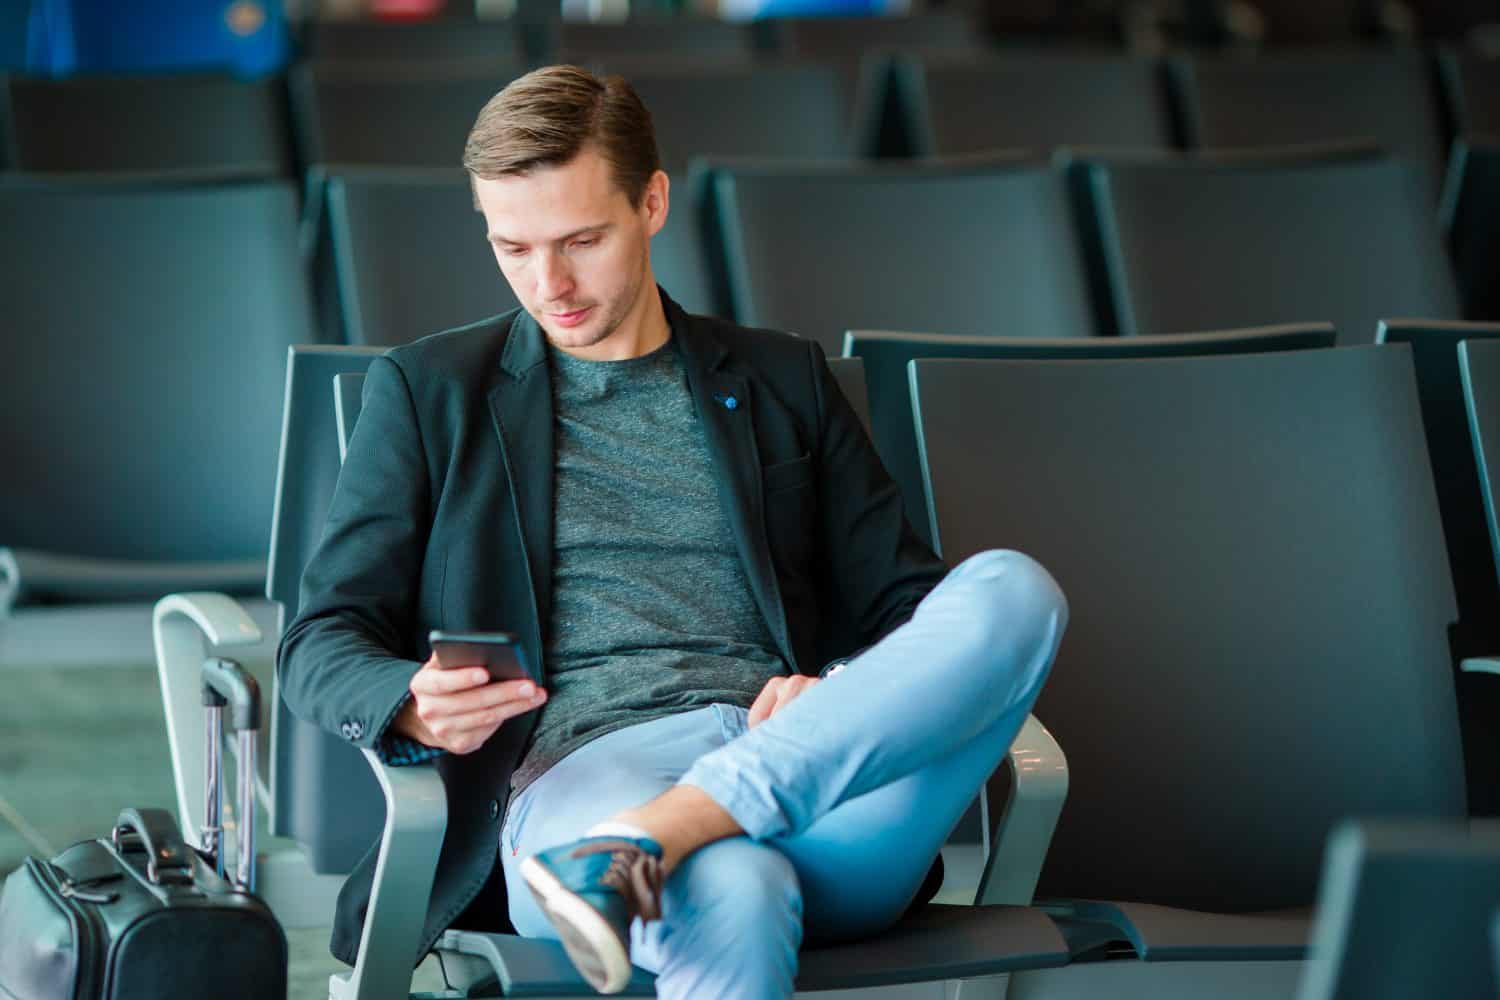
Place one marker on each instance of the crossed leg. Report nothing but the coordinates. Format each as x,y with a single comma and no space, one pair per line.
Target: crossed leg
844,796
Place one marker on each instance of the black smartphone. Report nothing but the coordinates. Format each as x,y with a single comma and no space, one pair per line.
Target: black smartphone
499,652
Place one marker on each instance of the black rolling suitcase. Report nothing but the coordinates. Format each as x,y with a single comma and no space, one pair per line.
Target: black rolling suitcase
140,914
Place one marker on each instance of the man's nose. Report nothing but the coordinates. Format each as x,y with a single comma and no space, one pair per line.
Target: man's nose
554,279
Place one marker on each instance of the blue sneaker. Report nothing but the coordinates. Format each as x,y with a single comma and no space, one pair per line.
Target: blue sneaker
591,889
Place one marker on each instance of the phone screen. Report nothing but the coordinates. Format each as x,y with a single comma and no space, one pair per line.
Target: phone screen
499,652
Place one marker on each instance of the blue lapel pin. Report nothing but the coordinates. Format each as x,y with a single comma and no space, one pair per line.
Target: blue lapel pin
730,403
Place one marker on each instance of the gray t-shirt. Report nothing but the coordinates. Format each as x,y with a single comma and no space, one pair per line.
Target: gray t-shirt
651,611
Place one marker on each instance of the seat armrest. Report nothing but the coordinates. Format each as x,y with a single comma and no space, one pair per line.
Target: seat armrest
185,628
1480,665
1039,786
10,581
416,817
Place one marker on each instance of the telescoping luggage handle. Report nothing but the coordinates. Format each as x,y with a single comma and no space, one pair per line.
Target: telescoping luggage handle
226,682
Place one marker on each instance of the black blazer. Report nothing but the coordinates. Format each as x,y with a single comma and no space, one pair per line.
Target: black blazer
443,518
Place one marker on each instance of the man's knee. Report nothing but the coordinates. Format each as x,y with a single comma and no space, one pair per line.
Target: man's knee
1015,600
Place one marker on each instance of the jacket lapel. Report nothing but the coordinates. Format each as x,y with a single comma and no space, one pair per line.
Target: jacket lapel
725,404
521,405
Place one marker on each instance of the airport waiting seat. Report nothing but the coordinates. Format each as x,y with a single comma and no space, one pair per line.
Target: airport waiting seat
1314,97
433,43
1479,365
1244,669
820,251
670,37
1470,216
1471,84
401,253
849,38
791,111
391,115
317,798
300,885
886,355
147,467
1212,244
96,124
1032,100
1404,910
1479,368
1434,347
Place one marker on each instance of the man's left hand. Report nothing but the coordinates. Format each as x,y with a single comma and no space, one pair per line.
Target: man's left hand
775,695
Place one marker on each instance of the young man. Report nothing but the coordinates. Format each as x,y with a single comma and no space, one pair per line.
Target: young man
674,514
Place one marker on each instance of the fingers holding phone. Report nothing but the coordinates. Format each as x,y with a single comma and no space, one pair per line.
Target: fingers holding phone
470,686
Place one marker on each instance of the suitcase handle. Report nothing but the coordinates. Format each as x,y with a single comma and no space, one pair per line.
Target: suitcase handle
226,682
167,856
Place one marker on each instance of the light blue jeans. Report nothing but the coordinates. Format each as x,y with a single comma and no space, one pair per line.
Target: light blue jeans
846,794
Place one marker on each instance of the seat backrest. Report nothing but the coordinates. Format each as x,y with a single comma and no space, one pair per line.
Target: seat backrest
1404,910
1194,246
138,123
1434,348
1479,363
1033,101
1472,84
849,373
1471,216
323,793
797,112
674,37
886,356
430,43
818,252
348,397
138,395
1285,99
1253,652
836,38
390,115
407,255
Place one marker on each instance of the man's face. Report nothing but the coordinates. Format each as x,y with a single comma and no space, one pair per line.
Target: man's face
575,252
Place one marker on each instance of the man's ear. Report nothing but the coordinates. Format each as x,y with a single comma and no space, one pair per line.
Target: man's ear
656,200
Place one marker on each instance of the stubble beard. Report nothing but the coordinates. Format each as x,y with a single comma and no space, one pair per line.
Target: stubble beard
583,339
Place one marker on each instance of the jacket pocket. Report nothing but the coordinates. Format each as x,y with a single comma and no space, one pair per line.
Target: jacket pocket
787,475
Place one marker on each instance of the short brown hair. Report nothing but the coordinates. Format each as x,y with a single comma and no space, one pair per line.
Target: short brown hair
546,117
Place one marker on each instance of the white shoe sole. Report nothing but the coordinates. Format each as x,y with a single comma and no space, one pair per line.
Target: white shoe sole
597,952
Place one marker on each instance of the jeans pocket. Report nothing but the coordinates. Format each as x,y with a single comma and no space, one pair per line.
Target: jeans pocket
733,720
515,819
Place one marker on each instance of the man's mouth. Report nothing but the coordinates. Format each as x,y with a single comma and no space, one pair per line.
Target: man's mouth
570,318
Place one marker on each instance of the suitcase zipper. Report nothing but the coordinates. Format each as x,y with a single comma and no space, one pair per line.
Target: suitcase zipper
52,879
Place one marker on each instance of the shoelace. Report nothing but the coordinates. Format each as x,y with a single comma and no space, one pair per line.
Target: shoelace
633,873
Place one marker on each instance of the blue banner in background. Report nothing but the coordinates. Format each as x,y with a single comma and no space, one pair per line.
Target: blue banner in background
246,37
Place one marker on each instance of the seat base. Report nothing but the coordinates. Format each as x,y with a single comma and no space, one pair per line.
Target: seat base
1169,934
936,944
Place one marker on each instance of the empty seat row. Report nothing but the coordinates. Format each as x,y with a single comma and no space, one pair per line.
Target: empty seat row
988,252
457,39
409,113
1164,246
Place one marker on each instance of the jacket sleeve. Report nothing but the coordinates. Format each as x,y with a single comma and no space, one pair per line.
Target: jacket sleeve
876,565
346,660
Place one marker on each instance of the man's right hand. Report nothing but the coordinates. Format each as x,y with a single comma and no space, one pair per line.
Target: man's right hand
457,709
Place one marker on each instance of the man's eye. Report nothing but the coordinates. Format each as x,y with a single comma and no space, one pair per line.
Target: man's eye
515,251
586,242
